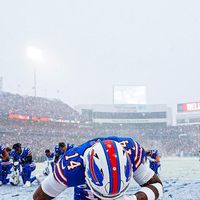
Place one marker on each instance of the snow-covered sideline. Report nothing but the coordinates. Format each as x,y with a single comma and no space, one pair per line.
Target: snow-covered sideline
181,178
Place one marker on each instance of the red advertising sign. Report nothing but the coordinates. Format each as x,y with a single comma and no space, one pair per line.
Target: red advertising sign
36,118
16,116
188,107
43,119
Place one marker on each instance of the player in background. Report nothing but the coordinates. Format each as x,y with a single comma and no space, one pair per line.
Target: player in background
49,162
154,160
104,168
60,149
24,157
5,165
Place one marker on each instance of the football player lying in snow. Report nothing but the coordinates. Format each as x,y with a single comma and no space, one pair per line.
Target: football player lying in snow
106,165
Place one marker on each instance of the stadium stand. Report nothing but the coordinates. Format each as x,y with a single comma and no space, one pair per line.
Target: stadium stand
40,133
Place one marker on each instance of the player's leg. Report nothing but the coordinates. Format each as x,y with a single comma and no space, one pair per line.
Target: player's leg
8,167
32,168
26,173
5,180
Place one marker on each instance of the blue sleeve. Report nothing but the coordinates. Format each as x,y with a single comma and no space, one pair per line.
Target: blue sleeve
138,155
69,146
14,156
26,152
69,170
52,155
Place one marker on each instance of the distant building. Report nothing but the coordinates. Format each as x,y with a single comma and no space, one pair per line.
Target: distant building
188,113
136,116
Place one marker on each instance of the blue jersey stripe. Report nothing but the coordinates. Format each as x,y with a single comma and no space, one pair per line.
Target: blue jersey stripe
59,176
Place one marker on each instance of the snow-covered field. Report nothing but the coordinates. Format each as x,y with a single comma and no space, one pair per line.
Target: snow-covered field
181,178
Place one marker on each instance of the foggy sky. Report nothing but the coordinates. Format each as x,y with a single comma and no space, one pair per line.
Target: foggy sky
88,46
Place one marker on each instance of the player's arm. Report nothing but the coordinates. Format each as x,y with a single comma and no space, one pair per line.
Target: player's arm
53,185
151,185
151,190
41,195
5,154
49,189
27,158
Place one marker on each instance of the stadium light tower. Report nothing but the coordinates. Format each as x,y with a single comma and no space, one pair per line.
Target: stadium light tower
35,55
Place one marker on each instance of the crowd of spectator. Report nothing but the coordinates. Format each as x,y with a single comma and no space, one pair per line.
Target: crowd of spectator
28,105
40,135
171,141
